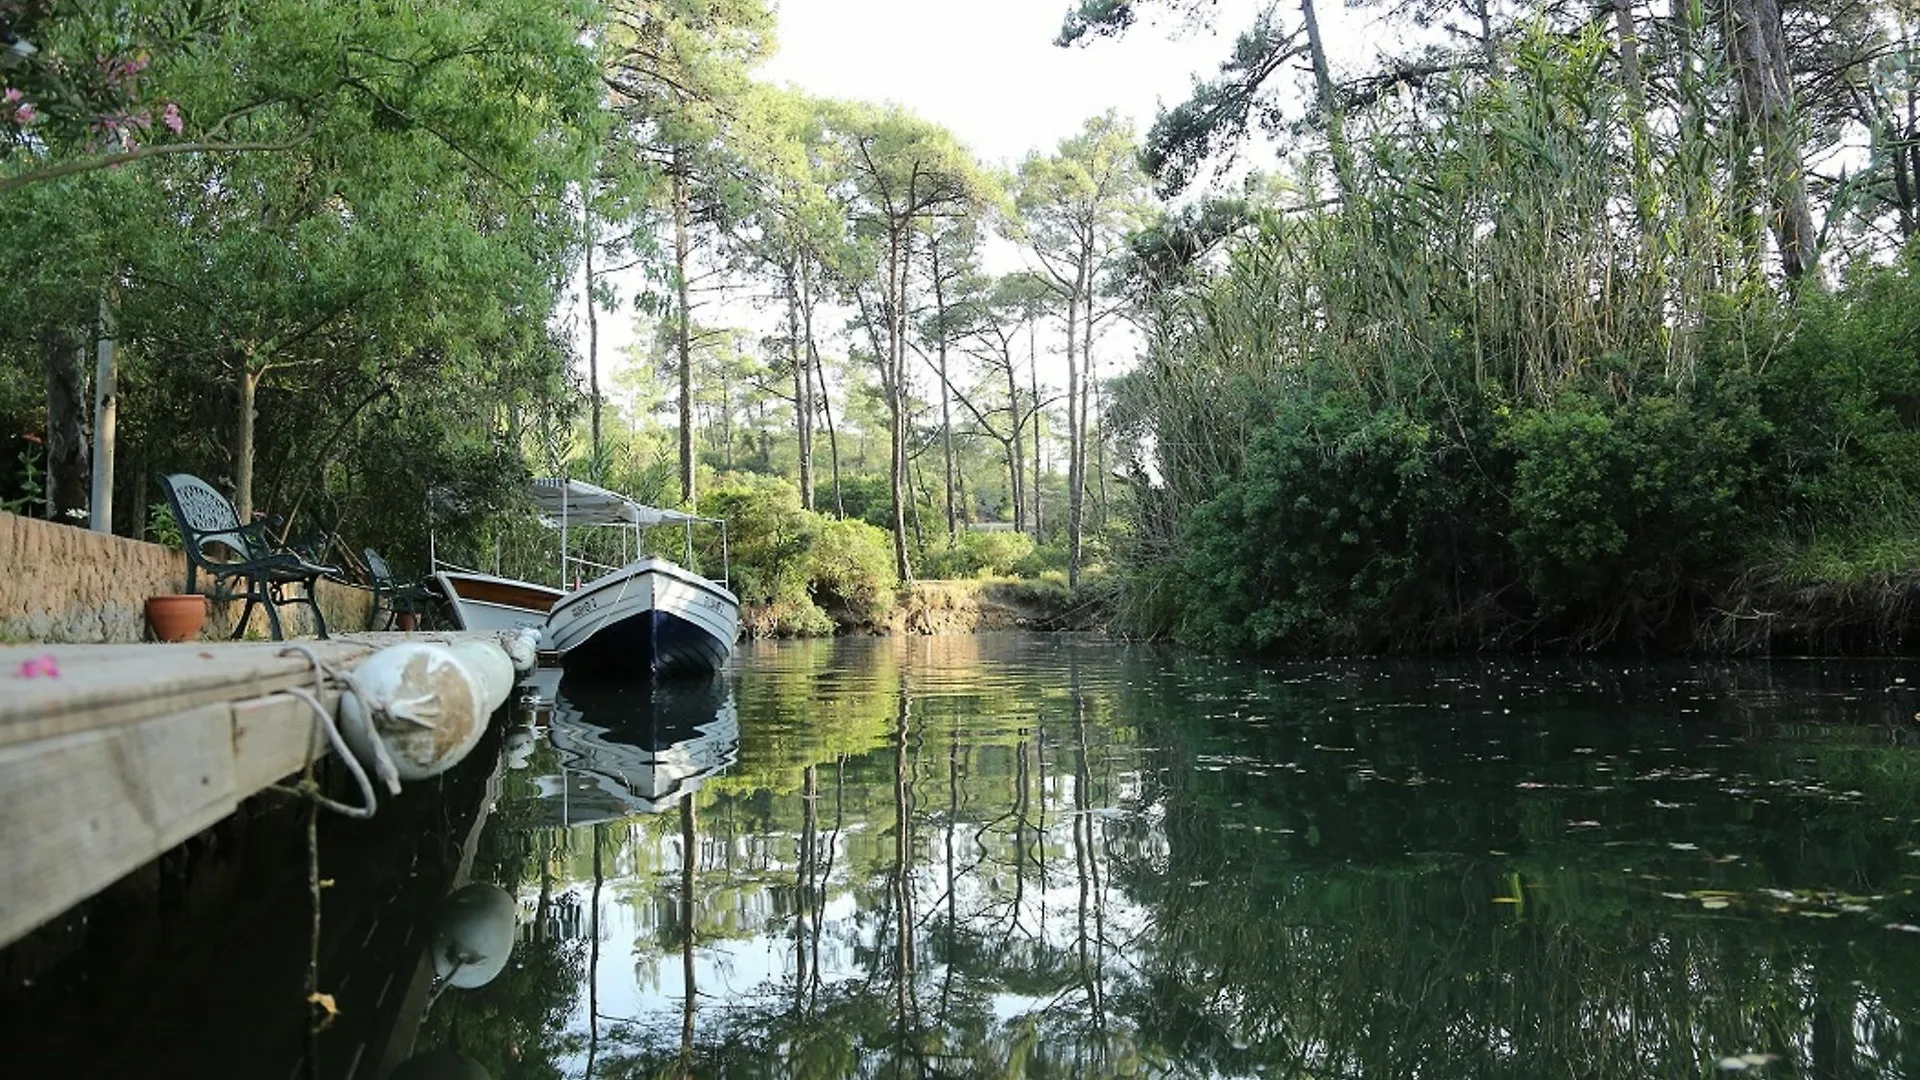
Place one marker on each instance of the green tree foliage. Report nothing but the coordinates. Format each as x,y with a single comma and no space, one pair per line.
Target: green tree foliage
1474,403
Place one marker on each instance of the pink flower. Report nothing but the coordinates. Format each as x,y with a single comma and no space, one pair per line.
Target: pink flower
13,95
24,115
171,118
47,665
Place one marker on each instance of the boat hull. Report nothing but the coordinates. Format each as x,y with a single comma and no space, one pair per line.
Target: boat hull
650,617
485,602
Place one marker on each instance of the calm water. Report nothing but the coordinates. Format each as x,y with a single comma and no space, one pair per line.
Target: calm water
1053,856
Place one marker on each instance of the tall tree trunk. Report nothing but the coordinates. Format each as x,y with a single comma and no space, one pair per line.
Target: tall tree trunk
247,387
897,396
682,248
1075,449
833,435
1483,10
1757,51
1088,391
68,473
802,358
1017,464
106,419
1329,104
946,414
593,330
1039,419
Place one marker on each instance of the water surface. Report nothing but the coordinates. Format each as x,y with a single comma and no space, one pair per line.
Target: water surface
1057,856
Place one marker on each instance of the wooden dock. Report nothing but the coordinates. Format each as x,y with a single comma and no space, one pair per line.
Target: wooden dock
112,754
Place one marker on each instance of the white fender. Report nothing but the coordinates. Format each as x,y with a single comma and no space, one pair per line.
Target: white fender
421,703
520,747
489,662
523,648
474,937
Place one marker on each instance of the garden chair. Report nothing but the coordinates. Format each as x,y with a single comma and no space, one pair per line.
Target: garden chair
396,597
232,553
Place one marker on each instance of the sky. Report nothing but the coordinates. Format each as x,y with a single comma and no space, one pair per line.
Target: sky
988,71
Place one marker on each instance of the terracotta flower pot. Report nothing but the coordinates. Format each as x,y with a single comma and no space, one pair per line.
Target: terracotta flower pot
178,617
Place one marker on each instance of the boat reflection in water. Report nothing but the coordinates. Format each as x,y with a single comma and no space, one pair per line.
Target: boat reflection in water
635,748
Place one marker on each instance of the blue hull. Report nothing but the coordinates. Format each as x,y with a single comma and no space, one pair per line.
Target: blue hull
653,644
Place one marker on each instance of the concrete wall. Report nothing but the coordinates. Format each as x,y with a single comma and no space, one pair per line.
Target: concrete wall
59,583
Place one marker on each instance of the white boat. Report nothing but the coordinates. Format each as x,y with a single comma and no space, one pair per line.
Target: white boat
624,752
485,602
677,620
648,617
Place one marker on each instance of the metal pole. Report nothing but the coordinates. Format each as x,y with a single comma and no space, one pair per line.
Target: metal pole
563,531
106,410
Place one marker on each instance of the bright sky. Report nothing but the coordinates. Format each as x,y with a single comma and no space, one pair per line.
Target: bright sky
988,69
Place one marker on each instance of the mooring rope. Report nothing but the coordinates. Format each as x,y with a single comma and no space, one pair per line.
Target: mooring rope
309,788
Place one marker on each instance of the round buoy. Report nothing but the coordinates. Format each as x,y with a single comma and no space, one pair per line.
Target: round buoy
520,747
422,702
523,648
474,937
441,1064
488,661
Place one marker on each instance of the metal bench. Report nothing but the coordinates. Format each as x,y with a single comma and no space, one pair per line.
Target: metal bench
393,596
229,552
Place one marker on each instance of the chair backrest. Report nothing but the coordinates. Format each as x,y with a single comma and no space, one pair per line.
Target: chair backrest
377,566
207,519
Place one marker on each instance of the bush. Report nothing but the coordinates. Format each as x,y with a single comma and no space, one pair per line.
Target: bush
771,548
979,554
1624,510
1349,529
852,572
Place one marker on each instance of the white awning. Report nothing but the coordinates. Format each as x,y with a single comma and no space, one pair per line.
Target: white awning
581,503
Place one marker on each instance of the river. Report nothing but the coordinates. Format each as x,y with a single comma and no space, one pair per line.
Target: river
1053,855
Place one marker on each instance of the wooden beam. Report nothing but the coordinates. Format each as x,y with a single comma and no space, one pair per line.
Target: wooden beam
127,750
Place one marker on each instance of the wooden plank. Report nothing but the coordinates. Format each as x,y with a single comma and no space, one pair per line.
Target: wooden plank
104,685
101,686
272,737
132,749
82,810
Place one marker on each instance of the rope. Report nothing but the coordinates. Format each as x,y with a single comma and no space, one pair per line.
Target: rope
309,788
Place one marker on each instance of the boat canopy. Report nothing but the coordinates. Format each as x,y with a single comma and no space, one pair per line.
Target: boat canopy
576,502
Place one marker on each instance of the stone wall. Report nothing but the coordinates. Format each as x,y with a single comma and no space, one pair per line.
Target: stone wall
59,583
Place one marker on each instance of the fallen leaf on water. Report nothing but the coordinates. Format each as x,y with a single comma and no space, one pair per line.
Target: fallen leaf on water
1506,899
1713,904
325,1001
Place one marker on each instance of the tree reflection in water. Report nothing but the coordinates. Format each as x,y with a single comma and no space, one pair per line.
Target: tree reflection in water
1039,857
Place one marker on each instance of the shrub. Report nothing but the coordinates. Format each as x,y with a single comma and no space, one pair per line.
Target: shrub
852,571
771,547
977,554
1622,510
1346,531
